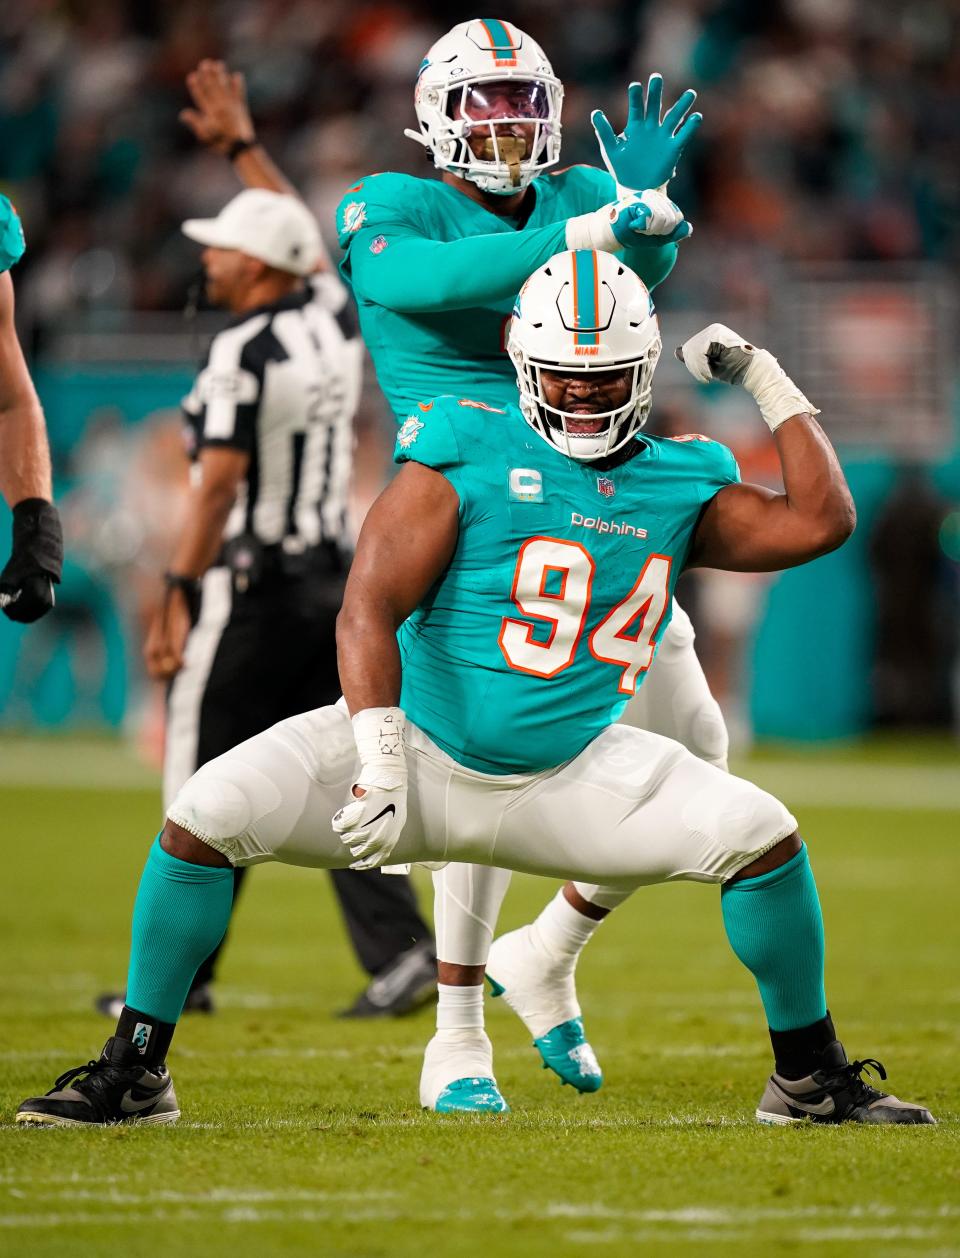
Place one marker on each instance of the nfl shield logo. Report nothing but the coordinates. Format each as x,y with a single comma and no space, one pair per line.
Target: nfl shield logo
605,486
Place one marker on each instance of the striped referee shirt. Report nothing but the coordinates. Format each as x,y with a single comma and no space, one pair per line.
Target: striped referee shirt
281,383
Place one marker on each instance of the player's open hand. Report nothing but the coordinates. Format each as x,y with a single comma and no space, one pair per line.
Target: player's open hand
221,116
372,819
646,152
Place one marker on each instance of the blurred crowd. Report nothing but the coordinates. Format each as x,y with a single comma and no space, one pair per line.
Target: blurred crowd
831,126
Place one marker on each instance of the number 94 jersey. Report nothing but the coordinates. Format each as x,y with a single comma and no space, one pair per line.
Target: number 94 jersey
560,588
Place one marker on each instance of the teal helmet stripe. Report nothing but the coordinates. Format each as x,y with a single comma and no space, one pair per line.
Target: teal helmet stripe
586,297
502,43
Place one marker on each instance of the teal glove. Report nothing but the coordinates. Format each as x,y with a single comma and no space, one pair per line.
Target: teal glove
646,154
12,243
637,223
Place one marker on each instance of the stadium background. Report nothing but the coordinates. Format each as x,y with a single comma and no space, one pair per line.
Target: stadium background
824,188
825,195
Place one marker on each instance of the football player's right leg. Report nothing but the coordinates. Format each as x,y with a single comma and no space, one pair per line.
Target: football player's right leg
457,1070
536,965
271,797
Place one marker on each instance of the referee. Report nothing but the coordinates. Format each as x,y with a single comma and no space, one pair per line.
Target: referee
245,633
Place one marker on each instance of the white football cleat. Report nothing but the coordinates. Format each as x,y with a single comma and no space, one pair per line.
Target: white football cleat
541,990
457,1075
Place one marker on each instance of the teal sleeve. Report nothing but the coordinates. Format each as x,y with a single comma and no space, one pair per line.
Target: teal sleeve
593,188
652,265
12,243
413,273
721,469
428,436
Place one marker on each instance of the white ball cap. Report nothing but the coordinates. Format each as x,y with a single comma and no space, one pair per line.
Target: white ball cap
271,226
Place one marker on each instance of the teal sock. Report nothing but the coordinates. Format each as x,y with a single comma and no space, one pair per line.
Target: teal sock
775,927
180,915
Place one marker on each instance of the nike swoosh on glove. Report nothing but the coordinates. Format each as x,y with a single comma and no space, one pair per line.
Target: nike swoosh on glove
371,826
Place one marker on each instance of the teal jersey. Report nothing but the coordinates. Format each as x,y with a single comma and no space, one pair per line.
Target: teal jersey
560,587
435,275
12,243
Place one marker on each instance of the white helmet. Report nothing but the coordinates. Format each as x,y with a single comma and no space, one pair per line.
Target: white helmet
581,312
483,74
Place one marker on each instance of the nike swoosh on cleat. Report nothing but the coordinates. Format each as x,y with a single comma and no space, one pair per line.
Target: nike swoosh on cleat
821,1108
130,1106
391,808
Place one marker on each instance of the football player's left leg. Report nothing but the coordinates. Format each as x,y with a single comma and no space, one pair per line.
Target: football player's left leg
534,967
180,915
457,1073
772,916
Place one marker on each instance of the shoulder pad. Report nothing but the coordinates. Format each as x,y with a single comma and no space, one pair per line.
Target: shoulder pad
378,200
428,435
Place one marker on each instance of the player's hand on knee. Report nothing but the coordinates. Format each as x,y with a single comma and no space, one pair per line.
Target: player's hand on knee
719,353
372,820
371,824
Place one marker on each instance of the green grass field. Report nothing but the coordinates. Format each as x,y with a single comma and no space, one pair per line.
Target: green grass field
301,1134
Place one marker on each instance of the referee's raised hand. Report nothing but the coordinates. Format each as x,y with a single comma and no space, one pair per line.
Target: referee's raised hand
220,119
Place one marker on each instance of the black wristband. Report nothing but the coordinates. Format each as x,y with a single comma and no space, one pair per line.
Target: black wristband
37,536
190,589
238,147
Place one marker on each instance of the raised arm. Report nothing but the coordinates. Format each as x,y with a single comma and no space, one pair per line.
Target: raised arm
220,119
406,542
748,528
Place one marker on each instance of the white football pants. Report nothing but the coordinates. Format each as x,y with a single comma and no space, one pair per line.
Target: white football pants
632,808
675,701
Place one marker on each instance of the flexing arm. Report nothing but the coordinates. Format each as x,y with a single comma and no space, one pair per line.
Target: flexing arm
221,119
747,528
406,542
208,506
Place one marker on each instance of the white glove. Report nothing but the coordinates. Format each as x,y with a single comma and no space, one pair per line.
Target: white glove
648,217
719,353
371,825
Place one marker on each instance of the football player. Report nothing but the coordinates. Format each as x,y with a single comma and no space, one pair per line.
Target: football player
435,265
483,731
36,561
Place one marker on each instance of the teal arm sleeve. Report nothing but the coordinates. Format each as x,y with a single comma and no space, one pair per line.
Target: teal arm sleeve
417,274
652,265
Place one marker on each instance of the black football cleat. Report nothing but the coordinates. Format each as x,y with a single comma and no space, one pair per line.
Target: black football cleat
117,1088
408,982
836,1093
199,1000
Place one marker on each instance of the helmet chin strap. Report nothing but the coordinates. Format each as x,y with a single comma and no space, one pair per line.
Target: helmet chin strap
510,149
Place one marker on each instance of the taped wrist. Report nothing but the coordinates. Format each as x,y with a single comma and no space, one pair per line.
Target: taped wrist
775,393
378,733
594,230
37,538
